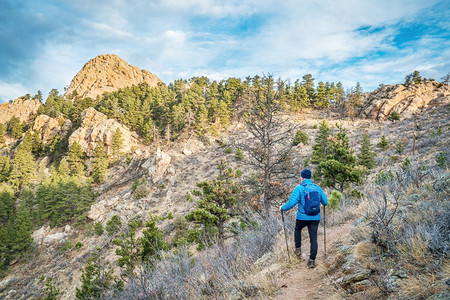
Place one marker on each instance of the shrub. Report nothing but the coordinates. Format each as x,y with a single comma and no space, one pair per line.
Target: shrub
113,225
394,116
335,200
141,191
78,245
442,159
98,228
301,137
228,150
239,155
383,144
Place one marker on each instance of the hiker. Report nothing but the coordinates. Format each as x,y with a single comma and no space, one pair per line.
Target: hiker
306,218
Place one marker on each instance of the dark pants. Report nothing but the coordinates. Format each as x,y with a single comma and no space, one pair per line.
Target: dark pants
313,226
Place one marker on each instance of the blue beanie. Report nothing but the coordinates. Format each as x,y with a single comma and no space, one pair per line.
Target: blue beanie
306,174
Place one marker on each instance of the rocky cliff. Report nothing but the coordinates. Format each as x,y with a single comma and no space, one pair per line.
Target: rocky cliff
19,108
96,127
49,127
404,100
108,73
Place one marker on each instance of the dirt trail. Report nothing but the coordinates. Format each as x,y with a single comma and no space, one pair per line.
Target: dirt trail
300,282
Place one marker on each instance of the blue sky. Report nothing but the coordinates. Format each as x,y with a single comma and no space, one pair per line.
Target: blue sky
45,43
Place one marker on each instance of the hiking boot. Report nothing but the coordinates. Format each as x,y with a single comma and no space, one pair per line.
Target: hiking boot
298,253
311,264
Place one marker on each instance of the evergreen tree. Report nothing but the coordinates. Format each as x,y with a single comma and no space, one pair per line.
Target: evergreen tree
383,144
2,133
339,167
117,141
75,158
129,250
63,168
308,83
97,278
23,228
99,164
322,145
15,127
152,241
5,168
23,167
218,199
366,155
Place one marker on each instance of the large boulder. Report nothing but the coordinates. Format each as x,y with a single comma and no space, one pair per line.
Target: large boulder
20,108
96,128
108,73
404,100
158,165
49,127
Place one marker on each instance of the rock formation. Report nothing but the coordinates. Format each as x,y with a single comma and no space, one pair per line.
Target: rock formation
108,73
404,99
19,108
49,127
96,127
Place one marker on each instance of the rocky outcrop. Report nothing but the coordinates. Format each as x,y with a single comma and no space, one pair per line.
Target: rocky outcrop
108,73
49,127
96,128
404,100
158,165
20,108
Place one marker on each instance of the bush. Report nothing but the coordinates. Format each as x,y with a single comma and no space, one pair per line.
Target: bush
301,137
335,200
394,116
228,150
239,155
113,225
98,228
141,191
442,159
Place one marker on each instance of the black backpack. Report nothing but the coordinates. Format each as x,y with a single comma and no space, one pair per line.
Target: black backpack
312,200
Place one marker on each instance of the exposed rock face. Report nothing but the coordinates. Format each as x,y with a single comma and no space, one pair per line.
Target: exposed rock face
108,73
48,127
404,99
158,165
19,108
96,127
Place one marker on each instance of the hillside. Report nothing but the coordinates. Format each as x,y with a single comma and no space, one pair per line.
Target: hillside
119,195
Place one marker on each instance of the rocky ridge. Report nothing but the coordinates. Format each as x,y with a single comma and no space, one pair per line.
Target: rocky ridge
96,128
19,108
49,127
404,100
108,73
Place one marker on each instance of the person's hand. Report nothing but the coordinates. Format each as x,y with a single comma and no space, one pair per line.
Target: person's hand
281,207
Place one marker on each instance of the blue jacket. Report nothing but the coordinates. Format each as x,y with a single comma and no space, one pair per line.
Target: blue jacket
297,197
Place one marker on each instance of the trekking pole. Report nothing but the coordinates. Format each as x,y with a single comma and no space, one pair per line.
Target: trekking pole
325,231
285,235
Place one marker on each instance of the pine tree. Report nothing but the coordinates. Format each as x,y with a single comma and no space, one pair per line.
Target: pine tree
23,168
366,155
130,249
97,278
15,127
23,228
5,168
383,144
63,168
322,145
2,133
75,158
218,199
339,168
100,164
117,141
152,241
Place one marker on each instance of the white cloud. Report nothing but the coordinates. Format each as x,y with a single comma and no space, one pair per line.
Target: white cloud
11,91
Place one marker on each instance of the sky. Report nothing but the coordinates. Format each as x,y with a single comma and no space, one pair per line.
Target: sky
43,44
